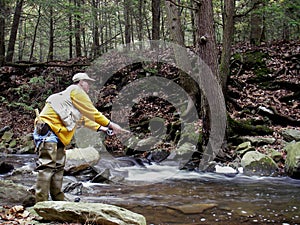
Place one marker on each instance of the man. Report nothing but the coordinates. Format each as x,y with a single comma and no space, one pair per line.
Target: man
54,129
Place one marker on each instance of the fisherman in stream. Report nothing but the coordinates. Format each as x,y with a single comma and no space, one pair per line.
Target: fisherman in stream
54,129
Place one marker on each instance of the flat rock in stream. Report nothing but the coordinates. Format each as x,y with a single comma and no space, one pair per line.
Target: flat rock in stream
193,208
97,213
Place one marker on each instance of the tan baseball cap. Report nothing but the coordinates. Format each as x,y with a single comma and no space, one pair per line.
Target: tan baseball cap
81,76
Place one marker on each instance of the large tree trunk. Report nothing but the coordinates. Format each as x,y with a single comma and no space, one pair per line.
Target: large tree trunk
228,32
2,32
207,49
155,19
14,31
177,36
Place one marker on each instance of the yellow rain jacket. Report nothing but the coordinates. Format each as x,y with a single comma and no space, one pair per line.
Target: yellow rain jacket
81,102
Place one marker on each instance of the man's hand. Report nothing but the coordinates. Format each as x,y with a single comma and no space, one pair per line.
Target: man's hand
116,128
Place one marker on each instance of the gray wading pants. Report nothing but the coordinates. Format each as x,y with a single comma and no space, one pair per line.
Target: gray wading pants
50,167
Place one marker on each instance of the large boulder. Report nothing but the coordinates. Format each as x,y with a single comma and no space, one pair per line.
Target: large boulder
292,163
79,159
255,163
15,194
97,213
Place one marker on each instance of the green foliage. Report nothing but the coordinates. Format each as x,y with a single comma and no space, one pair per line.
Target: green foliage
22,105
37,80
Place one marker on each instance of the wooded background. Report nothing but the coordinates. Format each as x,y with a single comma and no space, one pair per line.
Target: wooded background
37,30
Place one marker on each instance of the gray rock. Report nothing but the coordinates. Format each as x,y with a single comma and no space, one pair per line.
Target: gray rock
15,194
85,137
85,213
255,163
79,159
243,148
259,141
292,163
291,135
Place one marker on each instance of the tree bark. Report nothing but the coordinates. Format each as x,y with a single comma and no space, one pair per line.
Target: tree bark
77,30
14,31
228,32
35,33
207,49
2,32
70,34
155,19
256,24
127,4
51,36
177,36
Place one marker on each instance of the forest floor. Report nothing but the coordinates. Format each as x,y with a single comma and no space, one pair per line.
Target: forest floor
263,79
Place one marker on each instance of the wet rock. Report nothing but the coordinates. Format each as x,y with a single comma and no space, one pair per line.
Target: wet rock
255,163
157,156
102,177
5,167
15,194
292,163
193,208
97,213
79,159
132,161
73,188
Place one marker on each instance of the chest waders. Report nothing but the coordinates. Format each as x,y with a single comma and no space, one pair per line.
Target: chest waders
50,167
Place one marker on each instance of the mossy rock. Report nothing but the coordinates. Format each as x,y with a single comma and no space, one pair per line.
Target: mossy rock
255,163
292,163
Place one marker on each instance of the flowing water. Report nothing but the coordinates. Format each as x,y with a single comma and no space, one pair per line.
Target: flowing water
165,195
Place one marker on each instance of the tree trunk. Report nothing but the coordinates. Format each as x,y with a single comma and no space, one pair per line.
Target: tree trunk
70,34
193,22
51,36
14,31
96,36
140,20
176,34
228,32
35,33
256,24
77,30
155,19
127,13
207,49
2,32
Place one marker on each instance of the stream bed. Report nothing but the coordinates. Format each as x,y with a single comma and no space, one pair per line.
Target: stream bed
165,195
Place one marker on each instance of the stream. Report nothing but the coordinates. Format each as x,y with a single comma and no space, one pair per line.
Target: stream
165,195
